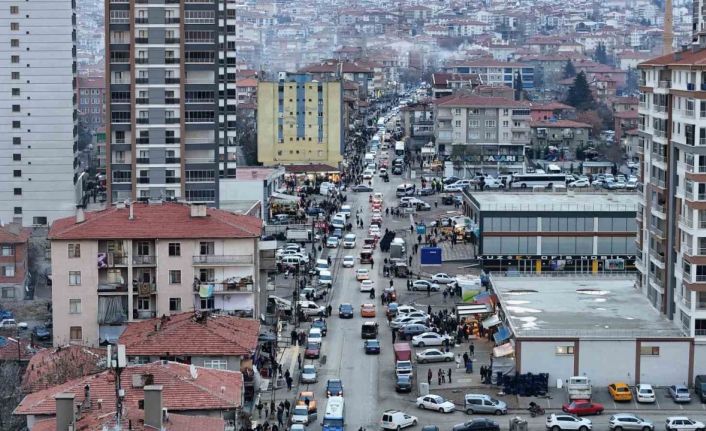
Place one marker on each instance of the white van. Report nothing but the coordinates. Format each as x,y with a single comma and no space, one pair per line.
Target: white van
325,187
314,336
349,241
405,190
325,277
321,265
346,209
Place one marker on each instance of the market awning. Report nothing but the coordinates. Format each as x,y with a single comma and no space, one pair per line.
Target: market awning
467,310
491,321
284,197
502,334
504,350
486,298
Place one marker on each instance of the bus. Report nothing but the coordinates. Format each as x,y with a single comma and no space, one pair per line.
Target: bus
334,417
523,181
399,148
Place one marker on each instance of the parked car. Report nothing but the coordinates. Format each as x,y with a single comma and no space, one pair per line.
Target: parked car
582,408
371,346
312,351
434,355
683,423
679,393
308,374
480,424
430,339
435,402
424,285
481,403
582,183
395,420
403,383
645,393
8,323
321,325
629,421
412,329
41,333
620,391
560,422
442,278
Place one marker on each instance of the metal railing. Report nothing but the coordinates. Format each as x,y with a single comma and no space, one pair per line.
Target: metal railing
665,84
225,286
144,260
210,259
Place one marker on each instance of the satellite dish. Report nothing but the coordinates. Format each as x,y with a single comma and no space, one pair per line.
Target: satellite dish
193,371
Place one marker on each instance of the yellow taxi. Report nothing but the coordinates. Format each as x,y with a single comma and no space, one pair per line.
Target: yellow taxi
620,391
367,310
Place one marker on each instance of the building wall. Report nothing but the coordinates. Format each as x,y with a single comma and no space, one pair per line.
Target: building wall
542,357
670,367
597,360
699,358
46,125
299,116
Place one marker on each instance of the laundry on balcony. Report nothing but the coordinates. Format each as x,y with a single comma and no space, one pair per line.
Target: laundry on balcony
206,291
144,289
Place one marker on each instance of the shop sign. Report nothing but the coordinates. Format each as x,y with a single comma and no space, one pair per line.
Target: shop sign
610,258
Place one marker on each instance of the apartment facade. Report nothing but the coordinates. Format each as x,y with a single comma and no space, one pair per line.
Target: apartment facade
38,133
170,69
672,146
494,72
482,134
123,265
91,102
14,243
300,121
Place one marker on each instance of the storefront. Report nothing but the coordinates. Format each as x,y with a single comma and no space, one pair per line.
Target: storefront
577,264
297,176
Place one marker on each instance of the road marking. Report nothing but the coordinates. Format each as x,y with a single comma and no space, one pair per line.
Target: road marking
657,402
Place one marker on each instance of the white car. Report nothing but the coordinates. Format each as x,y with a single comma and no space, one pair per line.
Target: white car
682,423
442,278
374,231
395,419
405,309
435,402
362,274
633,165
404,320
367,285
492,183
417,315
567,422
308,374
429,339
368,174
310,308
434,355
349,240
645,393
423,285
454,188
348,261
582,183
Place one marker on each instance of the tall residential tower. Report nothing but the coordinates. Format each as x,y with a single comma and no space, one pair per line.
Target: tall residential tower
170,69
38,118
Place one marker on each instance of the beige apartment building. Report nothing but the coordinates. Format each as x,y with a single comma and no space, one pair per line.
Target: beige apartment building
137,262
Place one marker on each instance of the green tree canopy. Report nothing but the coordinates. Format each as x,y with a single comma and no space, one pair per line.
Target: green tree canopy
580,96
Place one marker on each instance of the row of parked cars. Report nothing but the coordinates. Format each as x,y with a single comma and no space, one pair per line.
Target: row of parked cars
604,181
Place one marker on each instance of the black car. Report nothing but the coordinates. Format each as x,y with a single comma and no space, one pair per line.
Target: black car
361,188
447,199
450,180
321,324
372,347
345,311
334,388
397,170
480,424
403,383
41,333
314,211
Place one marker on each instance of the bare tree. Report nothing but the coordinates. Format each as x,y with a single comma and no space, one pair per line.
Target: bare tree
10,396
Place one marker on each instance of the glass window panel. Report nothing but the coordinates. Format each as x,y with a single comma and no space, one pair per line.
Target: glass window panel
567,245
532,245
620,224
605,244
605,224
584,245
491,245
532,224
550,245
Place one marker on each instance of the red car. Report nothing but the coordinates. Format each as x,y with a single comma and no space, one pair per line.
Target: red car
312,351
583,407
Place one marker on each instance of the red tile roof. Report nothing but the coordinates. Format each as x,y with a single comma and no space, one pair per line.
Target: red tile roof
166,220
49,367
463,99
210,390
682,58
181,335
100,420
560,123
9,350
14,233
550,106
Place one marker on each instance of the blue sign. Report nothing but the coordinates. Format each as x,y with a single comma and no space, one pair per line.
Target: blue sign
421,229
430,256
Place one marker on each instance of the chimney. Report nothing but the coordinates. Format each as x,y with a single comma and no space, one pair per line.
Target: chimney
153,406
80,215
198,210
132,211
65,412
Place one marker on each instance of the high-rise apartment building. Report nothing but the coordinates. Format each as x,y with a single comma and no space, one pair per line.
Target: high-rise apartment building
170,71
38,119
300,120
672,133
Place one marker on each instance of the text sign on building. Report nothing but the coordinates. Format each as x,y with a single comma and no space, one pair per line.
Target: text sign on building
552,257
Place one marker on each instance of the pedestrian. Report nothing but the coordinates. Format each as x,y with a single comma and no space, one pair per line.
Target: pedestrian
469,366
472,349
287,406
372,263
279,369
443,375
259,408
280,414
465,358
293,334
410,261
438,377
272,408
449,374
287,375
289,383
299,361
429,309
329,309
446,293
458,361
428,289
394,336
429,376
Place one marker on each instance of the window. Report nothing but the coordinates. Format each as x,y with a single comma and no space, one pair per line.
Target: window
143,248
207,274
74,250
74,306
18,210
15,75
473,123
16,124
39,221
17,191
14,59
14,26
8,292
14,10
490,123
17,157
174,304
649,350
143,303
8,271
14,43
175,249
74,278
218,364
17,173
207,304
564,350
8,250
174,276
76,333
15,91
206,248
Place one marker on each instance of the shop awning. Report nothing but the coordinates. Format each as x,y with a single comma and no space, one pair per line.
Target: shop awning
502,334
467,310
284,197
504,350
486,298
491,321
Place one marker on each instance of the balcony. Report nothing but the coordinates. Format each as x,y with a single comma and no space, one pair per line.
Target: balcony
657,157
142,101
142,160
141,60
656,231
144,289
144,314
107,287
172,140
141,80
665,84
659,209
172,120
641,82
142,121
171,40
689,113
661,108
172,180
172,21
144,260
694,169
235,284
171,100
691,86
658,257
141,20
141,40
173,160
142,140
171,61
200,160
659,133
210,259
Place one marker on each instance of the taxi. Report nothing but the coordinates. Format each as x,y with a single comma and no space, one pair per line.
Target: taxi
362,274
367,310
620,391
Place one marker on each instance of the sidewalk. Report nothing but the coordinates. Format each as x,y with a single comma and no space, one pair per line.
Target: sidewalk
288,360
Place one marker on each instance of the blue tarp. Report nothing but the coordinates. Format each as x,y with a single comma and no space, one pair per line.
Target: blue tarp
502,334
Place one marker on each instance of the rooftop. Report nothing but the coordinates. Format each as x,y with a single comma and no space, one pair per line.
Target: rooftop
56,365
568,124
588,306
550,201
155,221
182,335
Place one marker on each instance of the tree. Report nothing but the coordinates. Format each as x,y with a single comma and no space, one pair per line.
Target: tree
631,82
10,396
569,70
518,86
600,55
593,119
580,96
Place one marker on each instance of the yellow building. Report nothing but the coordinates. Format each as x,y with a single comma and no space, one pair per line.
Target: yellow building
299,121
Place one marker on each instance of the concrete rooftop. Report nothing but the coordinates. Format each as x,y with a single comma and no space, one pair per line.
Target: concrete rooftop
553,201
585,306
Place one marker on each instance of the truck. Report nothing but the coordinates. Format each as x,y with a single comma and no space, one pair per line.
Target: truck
403,358
399,148
579,388
299,235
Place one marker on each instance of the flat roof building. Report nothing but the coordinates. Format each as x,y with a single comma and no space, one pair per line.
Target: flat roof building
542,231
